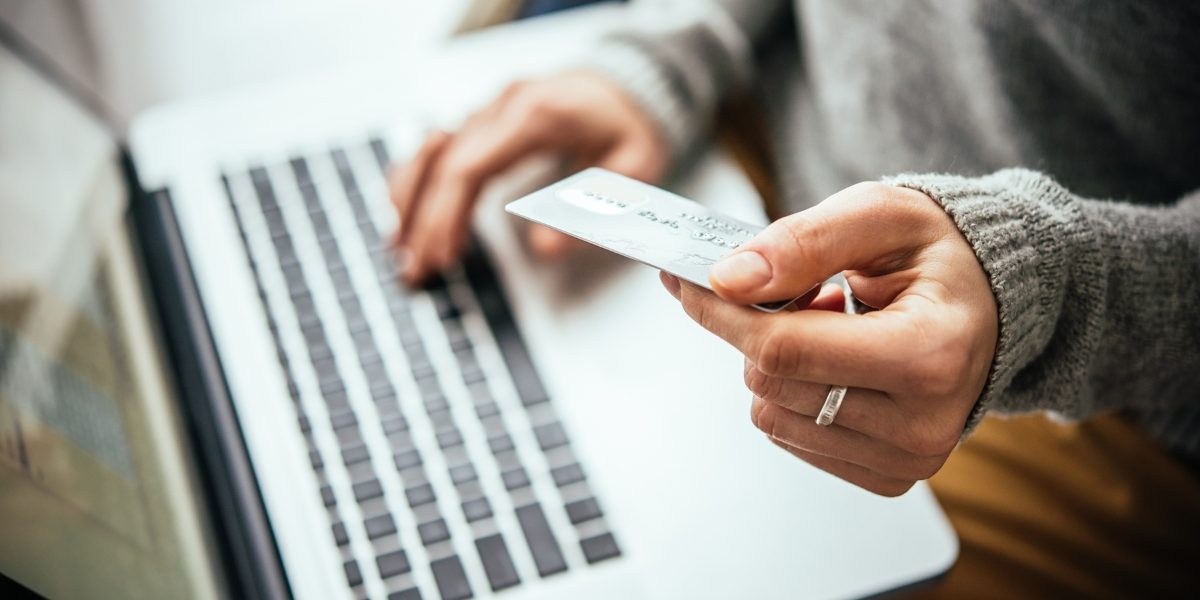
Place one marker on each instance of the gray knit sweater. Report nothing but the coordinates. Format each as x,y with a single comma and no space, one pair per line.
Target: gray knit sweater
1062,136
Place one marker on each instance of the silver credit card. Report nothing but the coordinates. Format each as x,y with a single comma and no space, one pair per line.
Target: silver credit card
639,221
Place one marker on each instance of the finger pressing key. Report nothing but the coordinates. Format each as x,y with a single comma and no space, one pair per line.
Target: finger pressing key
406,181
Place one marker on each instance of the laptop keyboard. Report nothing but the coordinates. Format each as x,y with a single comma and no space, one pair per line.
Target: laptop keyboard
439,458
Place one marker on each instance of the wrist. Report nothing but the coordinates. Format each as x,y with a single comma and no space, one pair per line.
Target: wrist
1012,221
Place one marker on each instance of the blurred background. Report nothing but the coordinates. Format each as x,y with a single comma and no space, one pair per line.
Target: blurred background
137,53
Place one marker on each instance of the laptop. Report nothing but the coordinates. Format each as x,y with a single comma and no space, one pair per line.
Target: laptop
212,383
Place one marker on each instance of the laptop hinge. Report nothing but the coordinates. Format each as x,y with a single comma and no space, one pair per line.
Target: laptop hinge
245,549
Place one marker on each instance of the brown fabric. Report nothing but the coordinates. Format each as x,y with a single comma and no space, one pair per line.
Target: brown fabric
1047,510
741,131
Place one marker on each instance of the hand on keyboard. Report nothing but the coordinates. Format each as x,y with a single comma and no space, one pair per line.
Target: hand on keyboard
580,115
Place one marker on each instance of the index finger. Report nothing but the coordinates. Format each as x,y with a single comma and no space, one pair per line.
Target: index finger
405,181
812,345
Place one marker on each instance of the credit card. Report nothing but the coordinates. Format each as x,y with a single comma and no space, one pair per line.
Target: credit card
640,221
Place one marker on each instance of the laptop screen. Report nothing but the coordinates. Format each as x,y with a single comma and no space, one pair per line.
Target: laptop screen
97,494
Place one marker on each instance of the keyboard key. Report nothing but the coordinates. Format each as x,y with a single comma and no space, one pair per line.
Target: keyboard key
392,563
550,435
382,394
421,494
379,525
407,459
336,400
370,358
529,387
515,478
340,537
394,424
459,342
341,420
446,309
449,438
345,293
353,575
332,387
500,443
354,454
421,369
567,474
472,374
442,419
451,580
327,496
487,409
376,374
508,460
326,369
409,594
476,509
598,548
357,323
436,402
462,473
387,411
493,426
546,553
379,149
366,490
433,532
348,436
320,352
583,510
497,562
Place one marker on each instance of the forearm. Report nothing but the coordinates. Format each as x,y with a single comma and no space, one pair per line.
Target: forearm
678,59
1097,300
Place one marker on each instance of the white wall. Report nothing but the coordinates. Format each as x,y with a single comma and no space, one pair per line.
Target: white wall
142,52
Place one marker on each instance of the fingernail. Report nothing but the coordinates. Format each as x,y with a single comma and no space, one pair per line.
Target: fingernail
671,283
741,272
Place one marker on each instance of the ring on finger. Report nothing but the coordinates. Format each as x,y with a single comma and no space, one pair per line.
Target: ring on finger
833,403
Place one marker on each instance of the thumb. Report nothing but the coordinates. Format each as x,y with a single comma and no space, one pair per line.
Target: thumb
869,226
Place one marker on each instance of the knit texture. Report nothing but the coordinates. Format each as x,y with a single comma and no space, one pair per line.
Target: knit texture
1092,249
1070,276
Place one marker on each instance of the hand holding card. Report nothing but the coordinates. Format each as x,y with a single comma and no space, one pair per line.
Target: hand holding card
642,222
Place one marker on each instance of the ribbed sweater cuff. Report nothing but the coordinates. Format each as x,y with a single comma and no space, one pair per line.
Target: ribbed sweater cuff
650,87
1013,220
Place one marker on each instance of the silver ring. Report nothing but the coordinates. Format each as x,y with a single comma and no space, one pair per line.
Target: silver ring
833,403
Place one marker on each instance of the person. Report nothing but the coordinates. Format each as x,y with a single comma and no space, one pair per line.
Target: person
1012,187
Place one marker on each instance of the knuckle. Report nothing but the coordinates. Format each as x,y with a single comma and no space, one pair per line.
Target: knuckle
941,373
762,385
870,190
763,418
928,468
941,365
930,441
459,165
759,383
538,108
892,489
696,307
512,95
776,354
514,88
804,236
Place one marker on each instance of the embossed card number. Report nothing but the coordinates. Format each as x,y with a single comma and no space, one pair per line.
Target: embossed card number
639,221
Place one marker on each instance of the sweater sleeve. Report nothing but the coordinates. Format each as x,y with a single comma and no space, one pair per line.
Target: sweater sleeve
677,58
1099,301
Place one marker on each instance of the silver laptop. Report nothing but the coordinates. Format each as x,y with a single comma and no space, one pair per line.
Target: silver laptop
319,430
